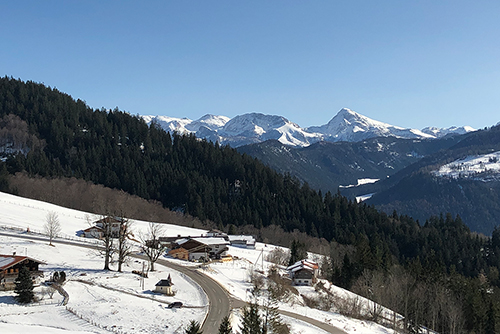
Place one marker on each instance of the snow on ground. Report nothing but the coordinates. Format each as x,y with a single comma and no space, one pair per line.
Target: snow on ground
362,198
109,299
235,277
360,182
480,166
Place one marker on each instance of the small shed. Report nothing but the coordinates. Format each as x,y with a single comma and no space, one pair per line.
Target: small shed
164,286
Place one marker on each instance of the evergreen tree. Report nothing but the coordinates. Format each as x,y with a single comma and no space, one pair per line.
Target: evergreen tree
24,286
225,326
491,321
251,322
298,252
193,328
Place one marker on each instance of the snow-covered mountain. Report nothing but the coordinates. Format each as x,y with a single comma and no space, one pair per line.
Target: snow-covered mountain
441,132
251,128
350,126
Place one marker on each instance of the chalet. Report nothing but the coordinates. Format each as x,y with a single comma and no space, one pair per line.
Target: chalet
303,272
242,241
97,231
93,232
165,286
204,248
9,270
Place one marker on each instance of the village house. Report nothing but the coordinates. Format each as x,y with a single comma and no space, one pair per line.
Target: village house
97,231
204,248
9,270
164,286
242,241
303,272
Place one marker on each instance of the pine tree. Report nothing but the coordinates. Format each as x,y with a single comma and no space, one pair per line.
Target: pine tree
24,286
225,326
491,319
251,323
194,328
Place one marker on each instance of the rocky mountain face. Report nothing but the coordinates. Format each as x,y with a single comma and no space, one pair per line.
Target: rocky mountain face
253,128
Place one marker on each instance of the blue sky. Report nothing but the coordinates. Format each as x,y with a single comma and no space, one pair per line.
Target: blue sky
408,63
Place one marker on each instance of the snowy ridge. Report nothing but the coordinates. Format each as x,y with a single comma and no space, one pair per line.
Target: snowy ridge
251,128
481,167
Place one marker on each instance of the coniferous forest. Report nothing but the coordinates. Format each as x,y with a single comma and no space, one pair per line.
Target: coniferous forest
46,133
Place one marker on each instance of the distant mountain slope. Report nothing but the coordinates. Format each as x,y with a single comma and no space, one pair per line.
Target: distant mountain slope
327,165
253,128
463,180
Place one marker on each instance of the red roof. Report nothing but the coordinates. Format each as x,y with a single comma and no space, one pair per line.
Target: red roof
7,261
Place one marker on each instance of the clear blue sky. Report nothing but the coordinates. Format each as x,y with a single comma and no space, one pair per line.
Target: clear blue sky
408,63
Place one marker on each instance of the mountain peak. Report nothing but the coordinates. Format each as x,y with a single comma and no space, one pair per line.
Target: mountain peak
254,127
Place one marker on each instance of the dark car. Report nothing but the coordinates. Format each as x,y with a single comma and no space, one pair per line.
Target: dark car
175,305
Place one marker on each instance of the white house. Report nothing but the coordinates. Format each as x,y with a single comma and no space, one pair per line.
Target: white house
303,272
243,241
97,231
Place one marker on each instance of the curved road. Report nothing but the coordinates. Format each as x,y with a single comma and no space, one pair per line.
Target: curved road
220,303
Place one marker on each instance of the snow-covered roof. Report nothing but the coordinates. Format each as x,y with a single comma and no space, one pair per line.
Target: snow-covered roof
4,262
303,264
181,241
212,241
205,240
7,261
241,237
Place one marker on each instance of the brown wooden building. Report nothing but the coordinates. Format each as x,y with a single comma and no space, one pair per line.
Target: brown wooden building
9,270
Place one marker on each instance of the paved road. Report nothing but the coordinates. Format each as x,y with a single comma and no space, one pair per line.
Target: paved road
220,303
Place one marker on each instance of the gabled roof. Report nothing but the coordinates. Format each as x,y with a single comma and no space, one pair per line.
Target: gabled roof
93,228
212,241
190,243
303,264
7,261
247,238
164,282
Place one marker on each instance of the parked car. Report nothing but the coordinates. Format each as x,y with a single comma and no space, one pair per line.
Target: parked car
175,305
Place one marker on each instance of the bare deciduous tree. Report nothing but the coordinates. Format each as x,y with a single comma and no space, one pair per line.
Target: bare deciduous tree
150,243
124,249
52,226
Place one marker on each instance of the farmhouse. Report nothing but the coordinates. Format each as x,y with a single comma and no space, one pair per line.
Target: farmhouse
97,231
303,272
204,248
10,266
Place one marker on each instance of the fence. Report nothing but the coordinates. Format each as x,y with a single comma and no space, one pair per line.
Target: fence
93,323
42,234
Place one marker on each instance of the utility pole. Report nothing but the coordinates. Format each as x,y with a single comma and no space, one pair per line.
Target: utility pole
142,276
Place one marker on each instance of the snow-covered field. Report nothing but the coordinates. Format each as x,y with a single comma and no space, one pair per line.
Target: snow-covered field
98,299
102,301
483,167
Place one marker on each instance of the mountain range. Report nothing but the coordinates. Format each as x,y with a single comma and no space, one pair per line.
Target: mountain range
253,128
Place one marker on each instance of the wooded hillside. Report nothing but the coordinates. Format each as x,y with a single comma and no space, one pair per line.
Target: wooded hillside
62,137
